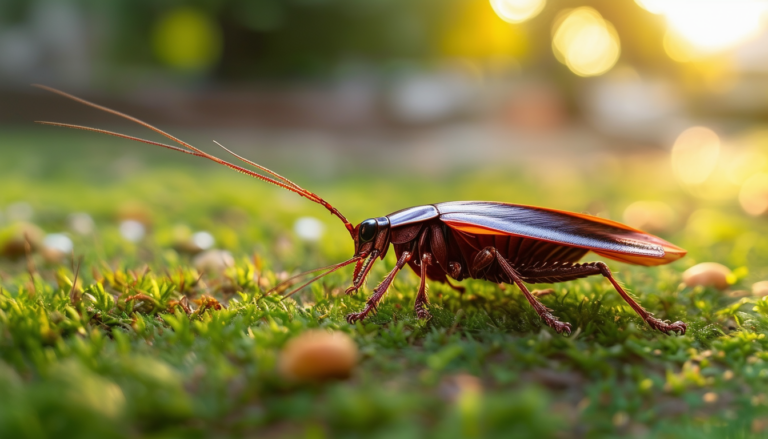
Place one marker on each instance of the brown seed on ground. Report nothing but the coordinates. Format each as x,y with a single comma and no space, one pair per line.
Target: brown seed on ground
318,355
707,274
15,238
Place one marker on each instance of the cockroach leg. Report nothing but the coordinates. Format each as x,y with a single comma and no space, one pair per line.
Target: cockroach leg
361,272
483,259
422,300
563,273
379,292
663,326
543,312
454,270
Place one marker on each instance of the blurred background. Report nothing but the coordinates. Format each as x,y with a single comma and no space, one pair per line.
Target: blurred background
650,112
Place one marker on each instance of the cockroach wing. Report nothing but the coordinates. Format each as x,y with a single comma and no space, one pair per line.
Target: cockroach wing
412,215
605,237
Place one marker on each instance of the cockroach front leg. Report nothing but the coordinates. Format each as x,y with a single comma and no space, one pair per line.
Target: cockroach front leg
362,268
543,312
380,290
422,300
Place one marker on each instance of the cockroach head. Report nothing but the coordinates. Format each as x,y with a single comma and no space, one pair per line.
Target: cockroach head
371,234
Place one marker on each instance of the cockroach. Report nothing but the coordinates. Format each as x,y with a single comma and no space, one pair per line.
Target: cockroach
498,242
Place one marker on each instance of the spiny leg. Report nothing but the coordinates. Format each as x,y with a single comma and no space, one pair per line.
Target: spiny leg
380,290
568,272
422,300
543,312
653,322
362,268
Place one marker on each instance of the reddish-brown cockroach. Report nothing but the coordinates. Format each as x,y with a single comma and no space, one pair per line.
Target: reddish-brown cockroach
498,242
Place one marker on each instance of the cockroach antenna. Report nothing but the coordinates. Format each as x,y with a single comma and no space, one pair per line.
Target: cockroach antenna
278,179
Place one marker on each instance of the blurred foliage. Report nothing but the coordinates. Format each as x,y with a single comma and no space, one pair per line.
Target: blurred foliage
118,356
308,38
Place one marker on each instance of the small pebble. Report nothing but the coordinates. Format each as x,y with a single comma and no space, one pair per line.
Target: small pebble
203,240
56,246
318,355
192,243
707,274
213,261
132,230
760,289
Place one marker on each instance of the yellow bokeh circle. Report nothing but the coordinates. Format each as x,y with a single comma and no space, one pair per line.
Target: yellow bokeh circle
695,154
754,194
585,42
517,11
187,39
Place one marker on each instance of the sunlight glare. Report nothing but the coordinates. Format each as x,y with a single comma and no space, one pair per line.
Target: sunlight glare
517,11
585,42
695,154
698,28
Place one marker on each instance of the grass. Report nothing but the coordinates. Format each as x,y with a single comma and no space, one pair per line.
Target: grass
117,357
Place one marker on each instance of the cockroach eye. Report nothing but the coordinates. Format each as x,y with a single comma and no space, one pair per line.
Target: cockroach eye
368,230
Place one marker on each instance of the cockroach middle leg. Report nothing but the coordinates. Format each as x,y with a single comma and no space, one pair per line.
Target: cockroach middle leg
422,300
543,312
379,292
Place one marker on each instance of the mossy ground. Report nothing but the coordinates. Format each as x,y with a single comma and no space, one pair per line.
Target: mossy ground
99,361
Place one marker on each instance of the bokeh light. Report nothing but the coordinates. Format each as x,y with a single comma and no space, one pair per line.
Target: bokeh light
517,11
700,28
744,165
308,228
187,39
695,154
585,42
754,194
651,216
477,32
203,240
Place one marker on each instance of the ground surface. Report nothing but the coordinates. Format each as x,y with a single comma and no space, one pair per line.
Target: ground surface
115,358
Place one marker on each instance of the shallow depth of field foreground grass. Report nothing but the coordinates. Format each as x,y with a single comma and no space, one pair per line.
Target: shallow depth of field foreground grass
117,356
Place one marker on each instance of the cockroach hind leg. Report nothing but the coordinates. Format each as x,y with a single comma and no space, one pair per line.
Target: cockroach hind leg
665,326
653,322
422,312
554,323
